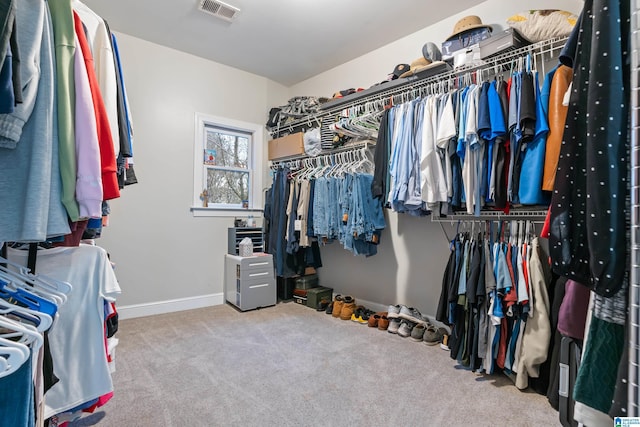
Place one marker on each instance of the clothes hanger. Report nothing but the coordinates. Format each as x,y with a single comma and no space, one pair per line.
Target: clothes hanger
39,279
10,290
28,283
41,286
4,364
42,321
26,334
12,356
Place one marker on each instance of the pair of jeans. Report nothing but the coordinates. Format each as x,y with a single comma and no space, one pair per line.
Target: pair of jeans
320,208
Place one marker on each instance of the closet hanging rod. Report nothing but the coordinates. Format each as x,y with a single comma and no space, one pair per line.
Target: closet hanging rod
542,48
352,146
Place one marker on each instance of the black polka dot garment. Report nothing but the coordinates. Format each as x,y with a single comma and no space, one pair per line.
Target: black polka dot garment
587,240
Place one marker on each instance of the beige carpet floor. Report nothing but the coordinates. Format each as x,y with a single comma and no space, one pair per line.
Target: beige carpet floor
289,365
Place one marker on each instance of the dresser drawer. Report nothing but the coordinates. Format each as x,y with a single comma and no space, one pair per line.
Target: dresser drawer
256,263
257,274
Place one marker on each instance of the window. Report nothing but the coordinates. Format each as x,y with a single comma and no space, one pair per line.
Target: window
228,166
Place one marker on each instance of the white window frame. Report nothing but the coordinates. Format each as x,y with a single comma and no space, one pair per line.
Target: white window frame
255,162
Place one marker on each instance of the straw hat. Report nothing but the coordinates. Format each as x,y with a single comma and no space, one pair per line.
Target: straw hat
467,23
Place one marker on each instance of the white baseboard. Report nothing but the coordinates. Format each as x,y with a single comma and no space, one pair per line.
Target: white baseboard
169,306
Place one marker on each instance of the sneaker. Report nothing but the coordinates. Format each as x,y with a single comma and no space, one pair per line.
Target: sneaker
444,344
394,325
383,322
348,306
405,328
418,332
365,315
393,311
357,314
432,335
337,306
411,314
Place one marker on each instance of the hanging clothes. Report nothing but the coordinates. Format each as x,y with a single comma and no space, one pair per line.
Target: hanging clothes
382,153
78,342
88,191
277,217
30,191
494,296
99,39
325,200
537,332
588,226
65,46
533,155
110,187
56,169
557,115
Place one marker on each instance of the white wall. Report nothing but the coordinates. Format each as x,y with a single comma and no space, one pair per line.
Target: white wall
374,66
162,252
413,253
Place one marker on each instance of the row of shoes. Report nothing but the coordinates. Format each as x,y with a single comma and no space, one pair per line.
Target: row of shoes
345,308
408,322
398,319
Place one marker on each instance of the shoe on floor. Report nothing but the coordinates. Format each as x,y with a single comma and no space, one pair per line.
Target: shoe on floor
357,314
373,320
348,306
432,335
366,315
383,322
411,314
323,304
444,343
329,309
417,332
393,311
338,302
394,325
405,328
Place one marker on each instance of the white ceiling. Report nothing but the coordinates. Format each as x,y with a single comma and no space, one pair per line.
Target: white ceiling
287,41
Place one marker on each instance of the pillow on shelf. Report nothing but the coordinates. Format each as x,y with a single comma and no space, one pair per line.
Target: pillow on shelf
539,25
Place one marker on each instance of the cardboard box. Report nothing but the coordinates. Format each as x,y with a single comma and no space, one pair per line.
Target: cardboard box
286,146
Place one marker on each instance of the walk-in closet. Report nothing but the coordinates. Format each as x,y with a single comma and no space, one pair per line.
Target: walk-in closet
230,213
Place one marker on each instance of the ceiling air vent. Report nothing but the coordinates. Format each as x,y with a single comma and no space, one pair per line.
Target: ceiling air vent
218,9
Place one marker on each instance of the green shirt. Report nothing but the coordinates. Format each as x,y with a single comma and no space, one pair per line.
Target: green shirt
64,37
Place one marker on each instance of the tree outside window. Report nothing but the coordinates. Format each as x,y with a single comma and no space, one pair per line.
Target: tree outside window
227,167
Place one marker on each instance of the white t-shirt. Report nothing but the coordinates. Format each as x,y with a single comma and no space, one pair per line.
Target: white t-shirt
77,338
471,141
432,180
447,131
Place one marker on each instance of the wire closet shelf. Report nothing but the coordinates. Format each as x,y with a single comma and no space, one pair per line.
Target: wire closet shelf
413,89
